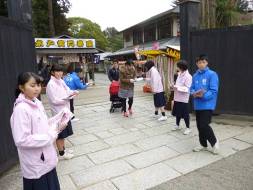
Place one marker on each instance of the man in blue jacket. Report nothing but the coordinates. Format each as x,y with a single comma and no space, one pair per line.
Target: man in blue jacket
204,89
73,81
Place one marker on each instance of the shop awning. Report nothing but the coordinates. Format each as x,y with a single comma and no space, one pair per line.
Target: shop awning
162,45
152,53
66,51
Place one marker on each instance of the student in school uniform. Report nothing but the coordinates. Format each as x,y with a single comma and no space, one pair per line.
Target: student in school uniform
156,84
204,89
181,97
58,92
33,136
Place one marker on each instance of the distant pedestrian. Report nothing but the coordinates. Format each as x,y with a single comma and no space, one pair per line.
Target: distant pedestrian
113,73
156,84
181,96
204,90
127,77
74,82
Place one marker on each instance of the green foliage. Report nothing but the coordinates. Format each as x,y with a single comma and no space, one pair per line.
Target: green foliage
227,11
3,8
115,39
40,17
84,28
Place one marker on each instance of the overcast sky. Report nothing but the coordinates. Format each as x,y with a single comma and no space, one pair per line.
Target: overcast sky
120,14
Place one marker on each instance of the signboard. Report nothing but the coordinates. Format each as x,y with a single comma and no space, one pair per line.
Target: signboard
64,43
173,53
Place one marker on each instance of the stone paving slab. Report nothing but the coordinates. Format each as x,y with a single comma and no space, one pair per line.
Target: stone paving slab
106,185
192,161
89,147
185,145
145,178
99,128
103,134
77,140
100,173
247,137
113,153
155,141
74,165
125,138
118,131
12,181
158,130
66,183
151,157
235,144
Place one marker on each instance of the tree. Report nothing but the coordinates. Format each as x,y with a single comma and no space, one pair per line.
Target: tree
114,38
3,8
84,28
228,11
41,19
51,18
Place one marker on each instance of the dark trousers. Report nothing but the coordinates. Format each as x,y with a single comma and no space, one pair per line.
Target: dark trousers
186,120
130,103
71,101
203,118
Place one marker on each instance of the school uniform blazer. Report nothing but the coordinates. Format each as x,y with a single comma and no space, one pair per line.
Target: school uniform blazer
56,91
33,137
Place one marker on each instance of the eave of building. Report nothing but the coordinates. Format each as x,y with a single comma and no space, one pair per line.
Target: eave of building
67,50
173,42
153,18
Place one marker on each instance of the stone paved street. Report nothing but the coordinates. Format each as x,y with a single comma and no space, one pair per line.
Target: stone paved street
112,152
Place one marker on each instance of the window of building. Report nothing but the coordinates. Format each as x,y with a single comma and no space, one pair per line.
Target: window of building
137,36
150,32
164,28
127,37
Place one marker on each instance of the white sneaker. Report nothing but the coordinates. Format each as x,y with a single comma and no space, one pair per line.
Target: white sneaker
75,119
187,131
200,148
216,147
163,118
66,156
175,128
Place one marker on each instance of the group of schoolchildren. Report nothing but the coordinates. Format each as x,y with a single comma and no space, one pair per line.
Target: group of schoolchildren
35,134
203,87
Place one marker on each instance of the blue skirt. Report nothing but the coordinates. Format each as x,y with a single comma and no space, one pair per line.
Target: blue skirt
68,131
159,100
180,109
48,181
